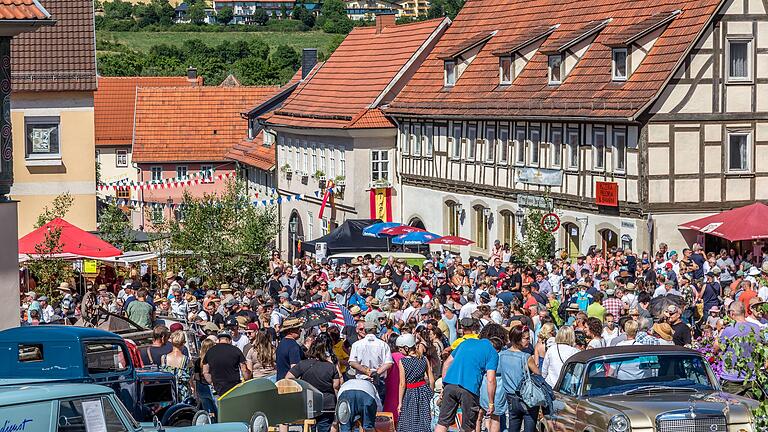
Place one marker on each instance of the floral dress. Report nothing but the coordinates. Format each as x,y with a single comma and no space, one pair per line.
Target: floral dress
183,377
415,410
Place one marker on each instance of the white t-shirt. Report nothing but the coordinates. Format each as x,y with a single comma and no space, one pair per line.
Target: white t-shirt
364,386
241,342
370,352
467,310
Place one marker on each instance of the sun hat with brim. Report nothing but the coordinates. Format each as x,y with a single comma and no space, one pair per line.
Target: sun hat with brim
375,302
355,310
715,309
170,275
663,331
573,307
210,327
385,282
64,286
225,288
753,271
755,302
630,287
291,324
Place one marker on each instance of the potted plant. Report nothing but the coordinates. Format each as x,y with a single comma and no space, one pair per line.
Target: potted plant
286,168
320,177
340,181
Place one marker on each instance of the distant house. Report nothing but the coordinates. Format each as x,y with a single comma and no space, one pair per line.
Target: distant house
180,14
114,104
368,9
414,8
181,138
53,75
243,10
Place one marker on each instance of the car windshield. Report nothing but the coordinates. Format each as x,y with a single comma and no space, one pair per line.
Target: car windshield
647,373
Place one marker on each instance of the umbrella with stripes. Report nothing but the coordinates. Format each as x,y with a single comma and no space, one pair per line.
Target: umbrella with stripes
343,315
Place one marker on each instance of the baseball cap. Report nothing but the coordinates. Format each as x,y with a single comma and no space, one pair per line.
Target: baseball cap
468,322
253,327
175,327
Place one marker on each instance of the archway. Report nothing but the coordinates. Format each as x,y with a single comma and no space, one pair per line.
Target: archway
609,239
416,222
571,240
295,234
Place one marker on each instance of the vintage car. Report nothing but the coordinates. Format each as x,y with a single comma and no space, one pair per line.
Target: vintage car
89,355
260,402
49,407
642,388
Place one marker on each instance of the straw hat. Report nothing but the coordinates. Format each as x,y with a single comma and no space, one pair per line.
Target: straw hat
64,286
291,323
663,331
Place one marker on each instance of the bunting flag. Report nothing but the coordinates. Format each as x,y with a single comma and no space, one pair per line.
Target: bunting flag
328,195
152,204
203,177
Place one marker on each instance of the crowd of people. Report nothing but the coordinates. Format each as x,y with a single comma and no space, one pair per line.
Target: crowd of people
428,338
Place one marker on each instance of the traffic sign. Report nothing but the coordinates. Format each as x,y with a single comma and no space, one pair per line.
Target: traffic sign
550,222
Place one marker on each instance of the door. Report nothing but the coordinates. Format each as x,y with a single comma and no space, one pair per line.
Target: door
610,239
572,243
109,364
565,407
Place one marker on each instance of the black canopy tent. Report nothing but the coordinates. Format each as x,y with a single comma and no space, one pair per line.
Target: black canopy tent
348,237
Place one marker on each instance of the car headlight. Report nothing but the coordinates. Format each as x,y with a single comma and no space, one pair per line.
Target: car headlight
619,423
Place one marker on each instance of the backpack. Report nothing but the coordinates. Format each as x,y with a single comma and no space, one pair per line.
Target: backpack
535,392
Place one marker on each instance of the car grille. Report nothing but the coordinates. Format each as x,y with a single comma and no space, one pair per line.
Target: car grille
697,424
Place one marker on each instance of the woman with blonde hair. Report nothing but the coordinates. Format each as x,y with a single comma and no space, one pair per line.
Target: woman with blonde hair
556,356
201,386
261,358
178,363
544,341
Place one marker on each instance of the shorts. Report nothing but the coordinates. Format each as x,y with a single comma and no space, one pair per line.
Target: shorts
455,397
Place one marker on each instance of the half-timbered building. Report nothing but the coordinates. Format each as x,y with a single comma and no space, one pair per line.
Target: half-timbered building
627,118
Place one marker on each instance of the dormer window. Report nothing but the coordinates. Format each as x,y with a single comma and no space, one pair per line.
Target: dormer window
619,64
505,70
450,72
555,69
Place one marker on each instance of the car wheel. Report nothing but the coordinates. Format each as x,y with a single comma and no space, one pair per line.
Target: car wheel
201,418
259,422
343,412
182,422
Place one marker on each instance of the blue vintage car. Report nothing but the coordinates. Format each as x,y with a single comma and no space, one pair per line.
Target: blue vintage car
77,408
88,355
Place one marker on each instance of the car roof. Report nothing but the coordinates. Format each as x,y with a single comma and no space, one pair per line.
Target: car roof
21,394
590,354
53,332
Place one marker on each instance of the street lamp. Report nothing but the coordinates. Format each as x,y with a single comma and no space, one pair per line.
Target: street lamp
292,225
519,215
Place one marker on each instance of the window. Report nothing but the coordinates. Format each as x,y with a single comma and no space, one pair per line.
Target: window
573,148
181,171
104,357
325,228
379,165
450,73
556,138
157,214
481,226
207,172
619,150
123,193
157,173
42,135
739,59
121,158
416,139
503,144
98,156
555,69
342,163
535,138
739,151
520,149
332,163
322,159
80,415
305,164
429,139
314,157
507,227
310,225
571,381
505,70
471,141
454,214
405,139
490,143
30,353
598,146
456,147
619,64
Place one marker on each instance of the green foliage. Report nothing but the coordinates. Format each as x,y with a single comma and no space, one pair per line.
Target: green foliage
118,9
752,365
196,13
260,16
59,208
50,270
300,13
226,235
285,57
537,242
115,227
441,8
225,15
335,19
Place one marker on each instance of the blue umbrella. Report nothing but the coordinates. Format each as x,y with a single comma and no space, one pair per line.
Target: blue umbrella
415,238
375,229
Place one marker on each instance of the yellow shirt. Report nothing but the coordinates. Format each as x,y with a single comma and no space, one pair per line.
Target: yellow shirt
342,355
458,341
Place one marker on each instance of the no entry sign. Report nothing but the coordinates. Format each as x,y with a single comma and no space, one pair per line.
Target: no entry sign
550,222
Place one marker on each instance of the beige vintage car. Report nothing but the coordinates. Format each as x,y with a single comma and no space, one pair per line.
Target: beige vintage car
642,388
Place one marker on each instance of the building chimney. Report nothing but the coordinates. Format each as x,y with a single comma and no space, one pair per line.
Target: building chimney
192,73
384,20
308,61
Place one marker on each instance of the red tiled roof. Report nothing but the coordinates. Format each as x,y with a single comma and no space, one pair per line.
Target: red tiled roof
525,39
586,92
636,31
466,45
61,57
115,101
253,152
191,124
354,77
563,41
22,10
370,119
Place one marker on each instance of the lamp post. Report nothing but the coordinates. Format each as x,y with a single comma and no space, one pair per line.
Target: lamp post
292,225
519,215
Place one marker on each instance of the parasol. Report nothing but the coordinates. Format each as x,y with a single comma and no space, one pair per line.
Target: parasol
451,240
415,238
314,317
376,229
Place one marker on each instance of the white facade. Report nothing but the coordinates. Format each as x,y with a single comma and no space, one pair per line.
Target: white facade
115,164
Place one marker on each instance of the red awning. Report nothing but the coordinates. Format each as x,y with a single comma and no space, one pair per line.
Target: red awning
73,240
743,223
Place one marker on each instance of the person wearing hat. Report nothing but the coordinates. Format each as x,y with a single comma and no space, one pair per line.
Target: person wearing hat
681,333
755,312
289,352
468,328
710,293
224,365
371,357
65,288
46,310
663,332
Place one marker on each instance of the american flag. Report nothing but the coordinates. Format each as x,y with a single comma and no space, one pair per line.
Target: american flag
343,316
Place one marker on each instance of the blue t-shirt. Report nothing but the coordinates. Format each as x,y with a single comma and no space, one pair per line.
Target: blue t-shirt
288,353
471,360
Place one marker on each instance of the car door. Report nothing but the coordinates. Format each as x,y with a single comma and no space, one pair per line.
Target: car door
89,414
108,363
565,406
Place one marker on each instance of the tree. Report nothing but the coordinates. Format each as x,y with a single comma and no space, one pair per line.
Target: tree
285,57
335,17
196,13
746,356
225,234
118,9
225,15
300,13
59,208
260,16
115,228
537,242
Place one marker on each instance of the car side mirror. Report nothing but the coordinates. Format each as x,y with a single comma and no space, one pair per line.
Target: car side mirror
156,423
